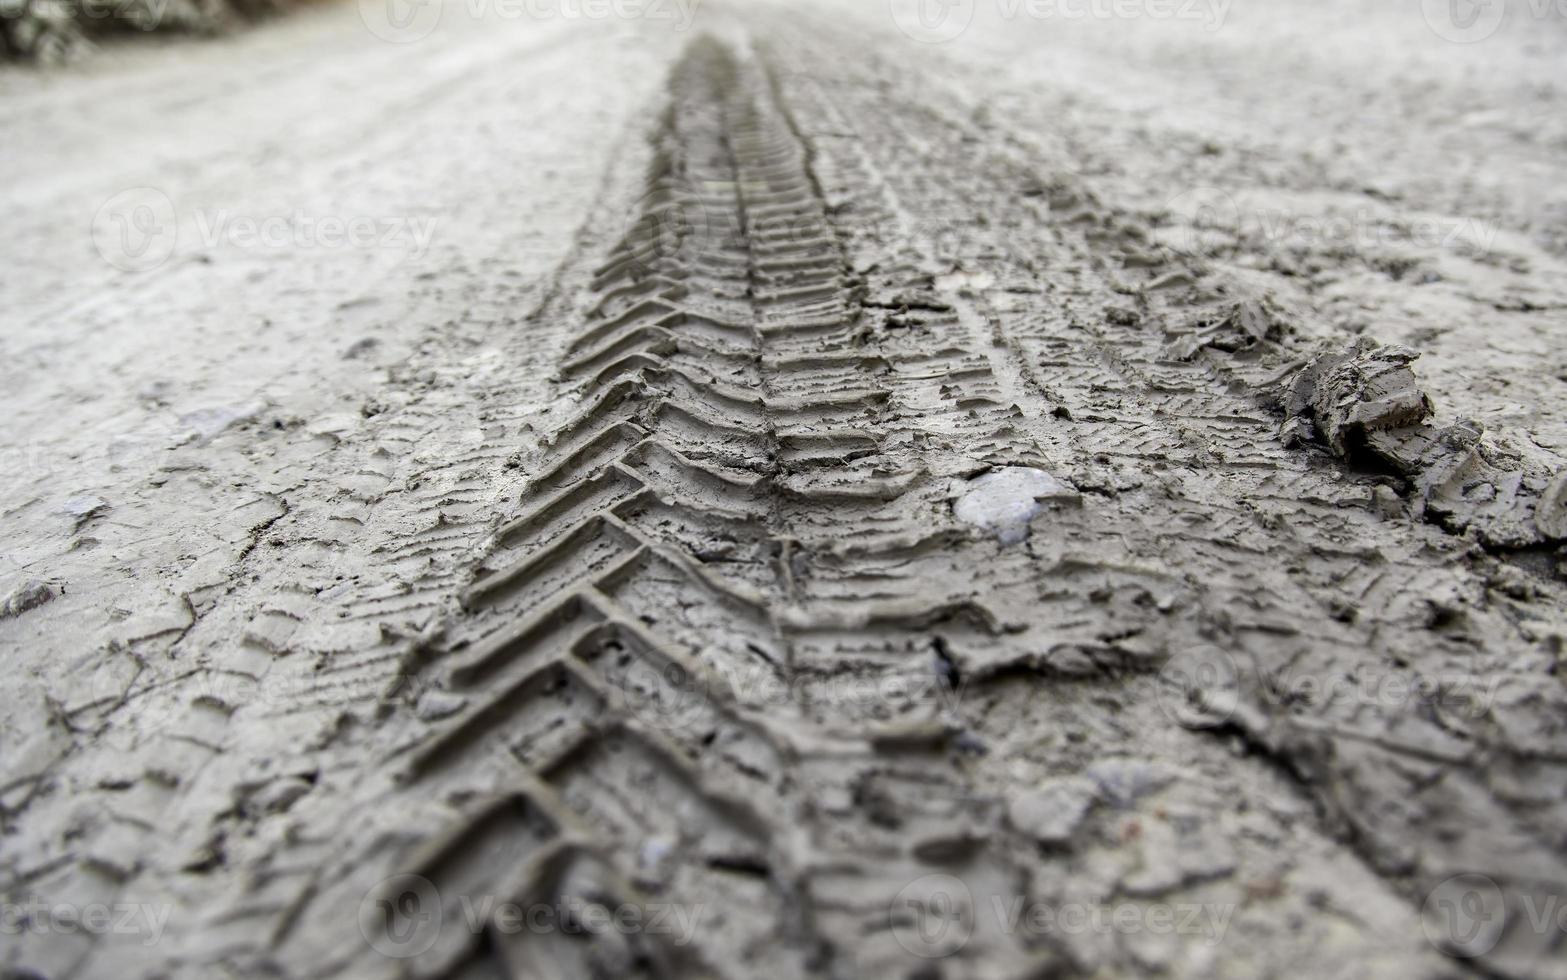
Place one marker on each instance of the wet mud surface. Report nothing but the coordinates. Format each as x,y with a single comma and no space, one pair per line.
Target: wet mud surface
849,538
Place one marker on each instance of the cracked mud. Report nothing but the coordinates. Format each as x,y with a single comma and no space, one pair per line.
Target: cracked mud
849,539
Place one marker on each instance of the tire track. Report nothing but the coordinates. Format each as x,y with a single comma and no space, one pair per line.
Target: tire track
735,655
1335,582
721,571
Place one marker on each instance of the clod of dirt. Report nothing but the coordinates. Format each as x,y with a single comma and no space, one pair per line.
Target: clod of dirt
1123,316
205,423
1550,514
1004,501
1122,782
1367,388
654,860
1052,812
435,705
1237,327
360,348
30,595
963,282
1366,398
84,507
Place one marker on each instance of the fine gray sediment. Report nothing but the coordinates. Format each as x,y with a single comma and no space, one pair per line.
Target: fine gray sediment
905,543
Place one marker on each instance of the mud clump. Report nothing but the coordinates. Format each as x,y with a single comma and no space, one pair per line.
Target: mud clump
1367,388
1366,400
1052,812
1237,327
30,595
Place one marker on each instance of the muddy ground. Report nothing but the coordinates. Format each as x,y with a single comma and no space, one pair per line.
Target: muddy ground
807,489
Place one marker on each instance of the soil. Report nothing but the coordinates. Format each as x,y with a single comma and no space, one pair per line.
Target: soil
788,493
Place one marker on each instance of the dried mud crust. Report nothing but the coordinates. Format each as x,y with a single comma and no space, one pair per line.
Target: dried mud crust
735,656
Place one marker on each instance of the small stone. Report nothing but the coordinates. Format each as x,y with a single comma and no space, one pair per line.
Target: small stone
205,423
362,346
654,851
1122,316
435,705
1004,501
949,848
84,508
969,743
655,863
30,595
1053,811
281,794
1122,782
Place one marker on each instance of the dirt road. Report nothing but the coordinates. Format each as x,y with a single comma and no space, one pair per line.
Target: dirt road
789,490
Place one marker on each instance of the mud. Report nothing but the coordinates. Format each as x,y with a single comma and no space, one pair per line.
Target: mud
846,539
